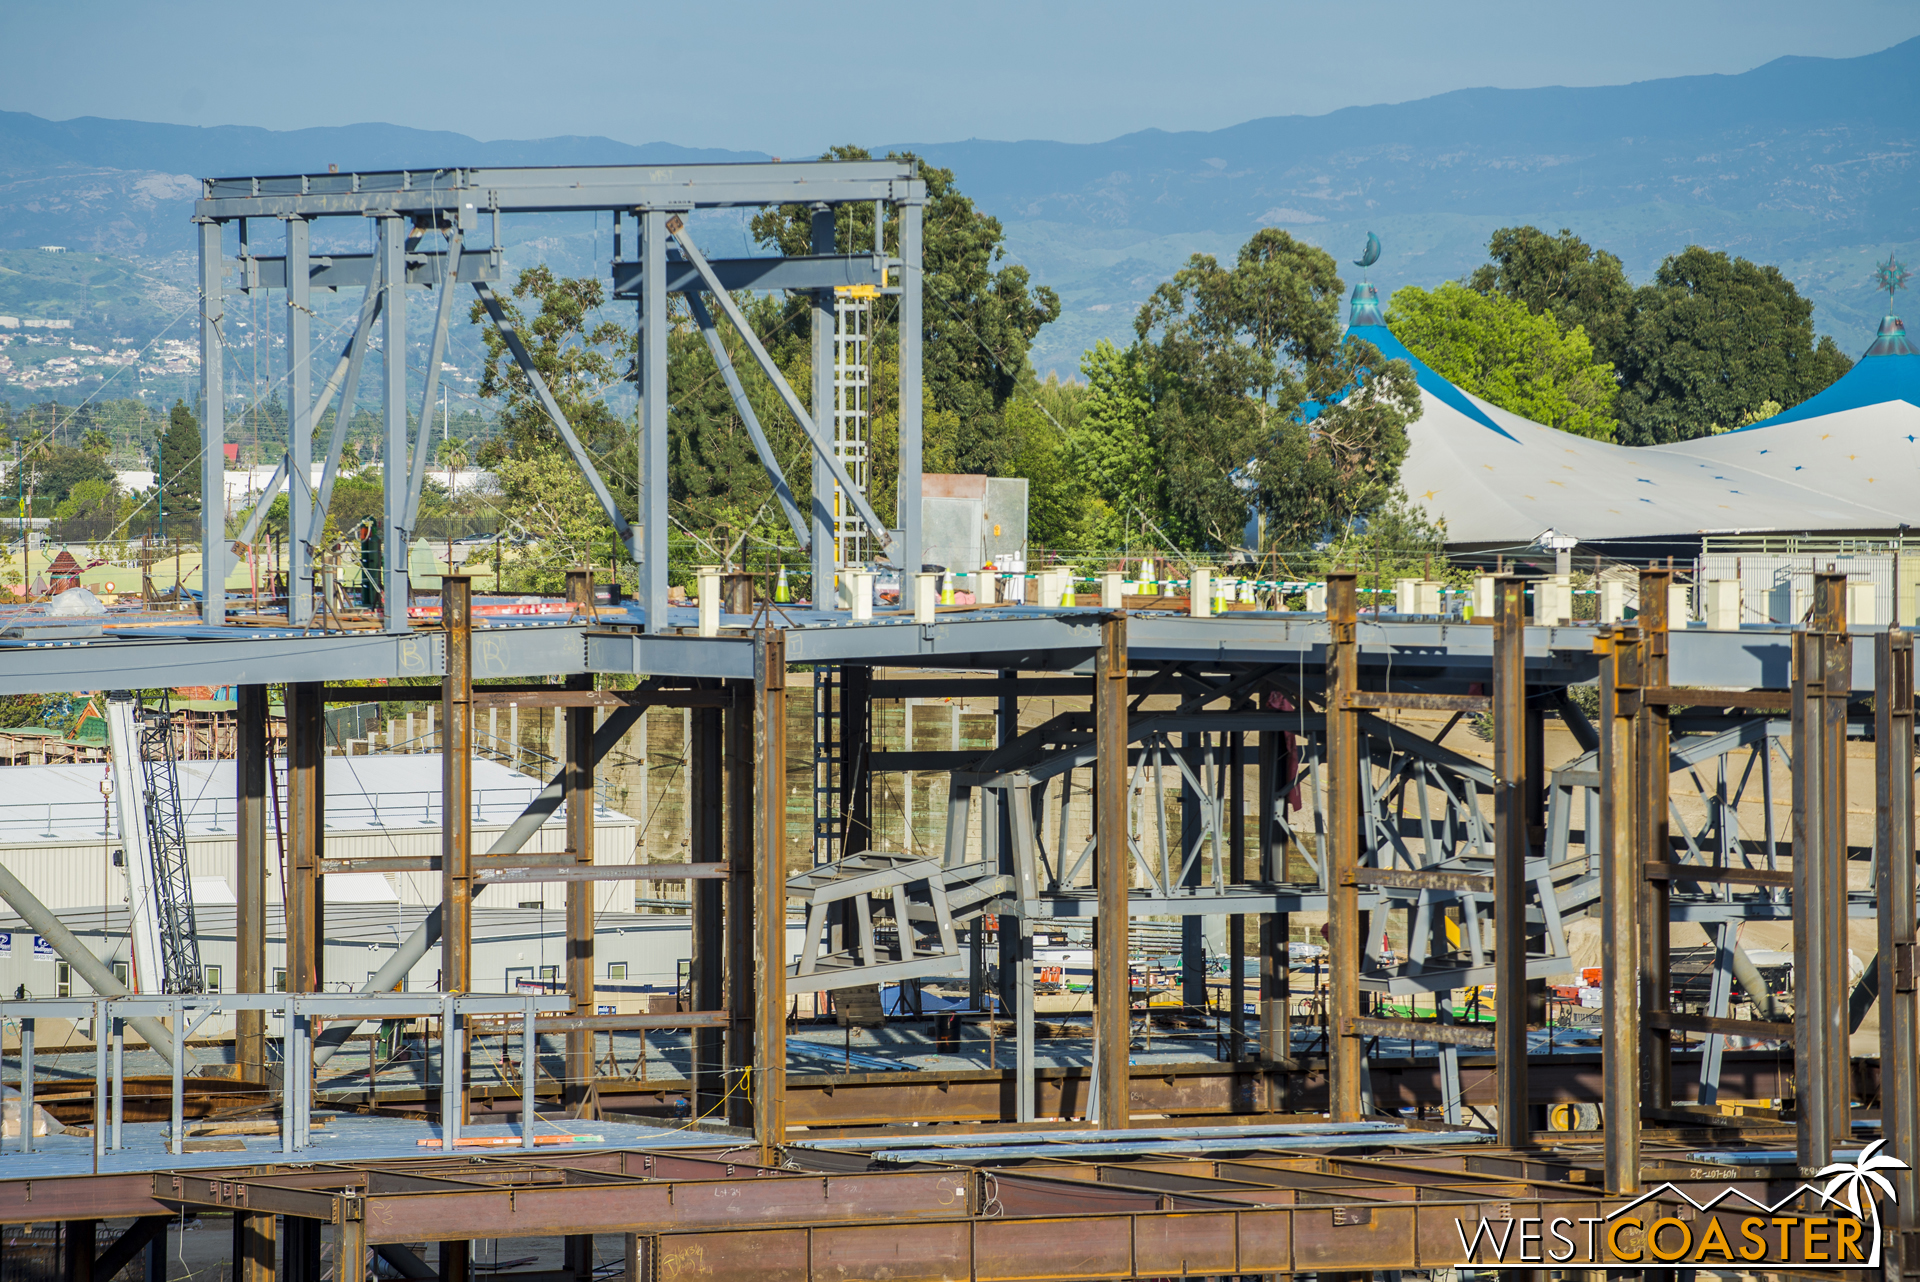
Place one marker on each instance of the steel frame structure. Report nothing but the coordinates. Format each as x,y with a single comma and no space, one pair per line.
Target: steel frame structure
449,206
1487,848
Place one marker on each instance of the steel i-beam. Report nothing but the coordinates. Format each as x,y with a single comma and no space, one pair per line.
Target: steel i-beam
252,761
456,809
770,877
1822,680
1511,819
1345,948
1651,831
456,787
306,835
213,430
1113,865
580,1101
742,825
707,845
1895,887
1621,876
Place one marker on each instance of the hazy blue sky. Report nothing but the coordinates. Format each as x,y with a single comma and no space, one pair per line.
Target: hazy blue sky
791,78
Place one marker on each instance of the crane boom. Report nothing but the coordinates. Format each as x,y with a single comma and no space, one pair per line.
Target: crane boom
153,830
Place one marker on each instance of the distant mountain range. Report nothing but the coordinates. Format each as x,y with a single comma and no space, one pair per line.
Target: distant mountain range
1810,163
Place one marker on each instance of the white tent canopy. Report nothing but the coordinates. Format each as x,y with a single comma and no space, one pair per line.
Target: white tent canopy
1496,478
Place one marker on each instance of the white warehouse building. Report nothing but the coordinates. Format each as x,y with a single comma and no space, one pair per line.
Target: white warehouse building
60,835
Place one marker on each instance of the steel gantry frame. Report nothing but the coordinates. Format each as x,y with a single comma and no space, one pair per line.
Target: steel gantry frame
424,223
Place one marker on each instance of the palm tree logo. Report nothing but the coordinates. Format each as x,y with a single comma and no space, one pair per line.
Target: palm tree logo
1861,1176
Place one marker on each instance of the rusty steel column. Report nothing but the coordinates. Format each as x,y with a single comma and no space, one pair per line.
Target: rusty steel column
1895,886
1652,833
251,763
581,1099
456,802
770,886
1276,995
1237,923
1620,879
1113,979
78,1241
1511,820
1822,680
708,845
856,759
456,1260
741,962
306,834
1347,1057
254,1246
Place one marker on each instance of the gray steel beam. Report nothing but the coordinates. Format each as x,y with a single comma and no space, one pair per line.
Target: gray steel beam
824,555
393,453
66,945
651,362
912,280
761,446
826,271
213,430
354,271
174,660
557,189
300,421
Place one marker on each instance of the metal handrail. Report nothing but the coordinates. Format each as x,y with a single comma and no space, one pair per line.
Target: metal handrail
189,1011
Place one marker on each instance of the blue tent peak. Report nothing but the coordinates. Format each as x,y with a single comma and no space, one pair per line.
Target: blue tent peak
1889,371
1365,321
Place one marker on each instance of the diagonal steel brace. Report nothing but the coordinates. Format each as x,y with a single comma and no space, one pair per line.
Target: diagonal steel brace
678,227
704,319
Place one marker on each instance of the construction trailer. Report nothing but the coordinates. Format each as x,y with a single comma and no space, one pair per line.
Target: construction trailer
1353,817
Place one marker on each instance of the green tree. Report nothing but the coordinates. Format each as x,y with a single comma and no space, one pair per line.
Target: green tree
53,470
1257,404
1713,338
1115,447
1494,347
179,470
91,510
1580,285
